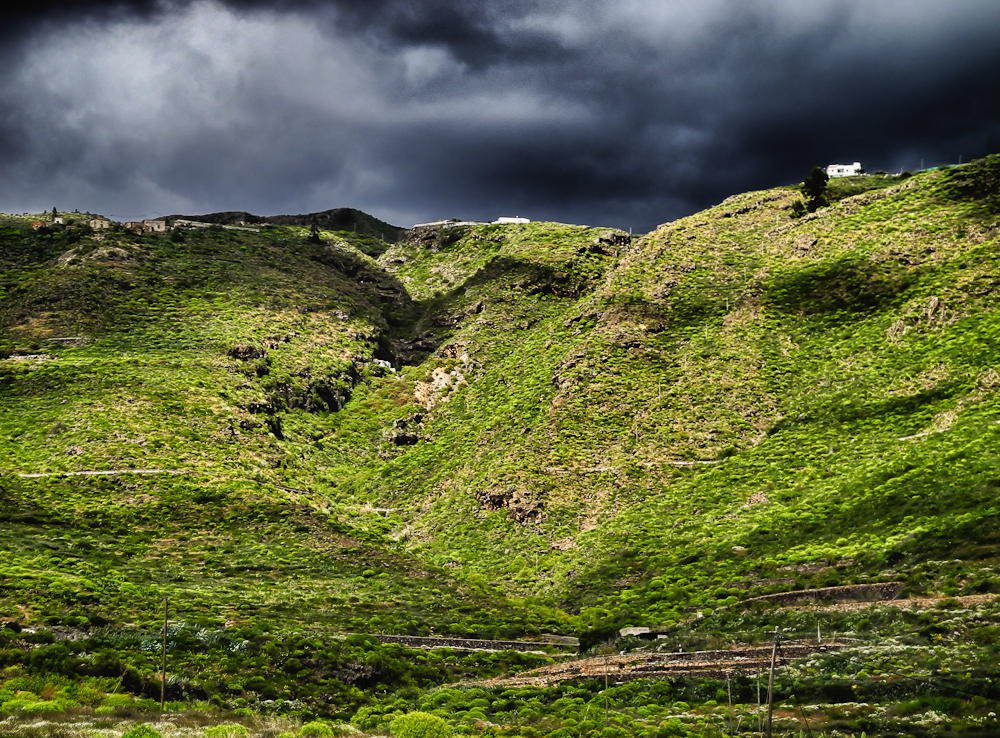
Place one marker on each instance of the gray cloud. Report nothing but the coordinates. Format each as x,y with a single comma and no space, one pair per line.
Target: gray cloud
628,113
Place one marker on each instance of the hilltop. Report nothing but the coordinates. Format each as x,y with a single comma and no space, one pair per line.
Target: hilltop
506,429
343,220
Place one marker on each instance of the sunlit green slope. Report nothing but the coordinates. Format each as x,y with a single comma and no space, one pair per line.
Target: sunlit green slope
612,427
738,396
155,393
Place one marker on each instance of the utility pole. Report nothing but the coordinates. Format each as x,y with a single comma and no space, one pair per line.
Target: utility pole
770,683
163,683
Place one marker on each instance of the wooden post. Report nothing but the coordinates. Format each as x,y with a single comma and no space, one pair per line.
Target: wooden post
606,667
729,689
760,717
163,683
770,683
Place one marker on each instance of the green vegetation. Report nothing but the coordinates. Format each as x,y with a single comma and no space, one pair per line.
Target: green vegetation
814,188
420,725
500,431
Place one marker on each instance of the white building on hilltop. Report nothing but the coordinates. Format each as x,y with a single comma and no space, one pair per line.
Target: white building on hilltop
845,170
508,219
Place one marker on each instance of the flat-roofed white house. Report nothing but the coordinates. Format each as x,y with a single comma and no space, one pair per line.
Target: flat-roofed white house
156,226
508,219
845,170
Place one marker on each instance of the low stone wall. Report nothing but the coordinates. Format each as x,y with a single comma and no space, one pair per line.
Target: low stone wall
471,643
848,593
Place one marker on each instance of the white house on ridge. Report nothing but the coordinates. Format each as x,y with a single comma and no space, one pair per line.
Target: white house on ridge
845,170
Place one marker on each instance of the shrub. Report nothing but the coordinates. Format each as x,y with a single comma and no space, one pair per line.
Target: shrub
32,708
419,725
229,730
316,728
142,731
118,700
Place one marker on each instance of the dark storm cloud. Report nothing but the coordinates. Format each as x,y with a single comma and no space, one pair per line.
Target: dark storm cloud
625,113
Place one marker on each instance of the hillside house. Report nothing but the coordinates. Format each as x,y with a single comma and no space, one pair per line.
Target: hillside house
135,225
100,223
845,170
155,226
505,219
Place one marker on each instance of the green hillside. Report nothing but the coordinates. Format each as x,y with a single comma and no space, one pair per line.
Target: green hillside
737,393
496,431
201,368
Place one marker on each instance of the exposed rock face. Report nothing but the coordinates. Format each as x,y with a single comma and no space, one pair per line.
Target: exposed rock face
246,352
406,431
523,510
442,381
402,438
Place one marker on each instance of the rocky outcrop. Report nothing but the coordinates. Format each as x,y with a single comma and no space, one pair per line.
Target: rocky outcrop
518,507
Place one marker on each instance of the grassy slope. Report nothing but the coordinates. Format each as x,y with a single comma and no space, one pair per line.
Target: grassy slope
735,400
221,357
620,431
831,379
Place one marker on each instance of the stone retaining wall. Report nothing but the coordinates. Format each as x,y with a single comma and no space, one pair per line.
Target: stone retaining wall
848,593
471,643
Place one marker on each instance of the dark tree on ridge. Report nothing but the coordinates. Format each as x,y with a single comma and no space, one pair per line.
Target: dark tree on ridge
814,188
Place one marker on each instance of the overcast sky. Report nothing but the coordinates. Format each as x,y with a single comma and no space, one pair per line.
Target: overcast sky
627,113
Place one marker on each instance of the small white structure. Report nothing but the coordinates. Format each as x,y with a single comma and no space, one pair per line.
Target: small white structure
155,226
845,170
504,219
99,223
623,632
